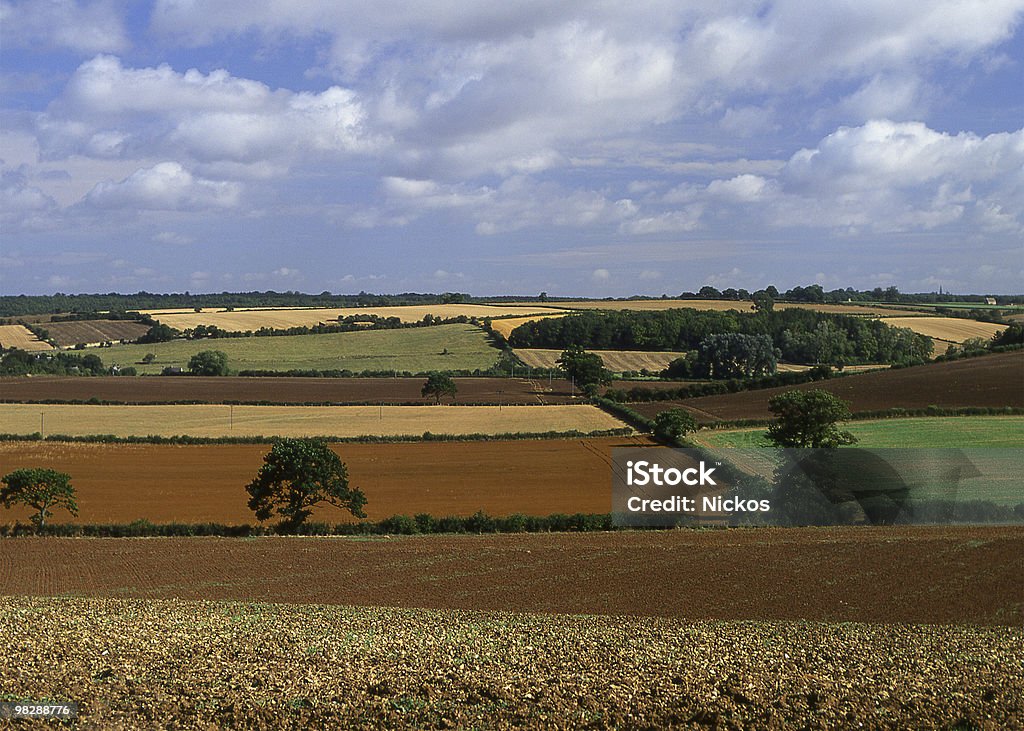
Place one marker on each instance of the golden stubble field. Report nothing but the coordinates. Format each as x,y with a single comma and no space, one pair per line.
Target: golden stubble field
948,329
217,420
242,320
19,336
614,360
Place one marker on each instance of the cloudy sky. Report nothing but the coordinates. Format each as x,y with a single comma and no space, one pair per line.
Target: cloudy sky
600,148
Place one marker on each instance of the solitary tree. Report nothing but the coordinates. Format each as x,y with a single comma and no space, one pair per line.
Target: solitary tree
40,489
673,424
298,474
808,419
209,363
438,385
586,369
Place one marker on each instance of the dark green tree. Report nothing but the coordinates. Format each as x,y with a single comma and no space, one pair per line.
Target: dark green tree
298,474
808,419
763,302
159,333
40,489
673,424
583,367
736,355
209,363
439,385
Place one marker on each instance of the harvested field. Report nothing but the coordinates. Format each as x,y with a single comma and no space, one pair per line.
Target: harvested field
616,361
119,483
933,574
159,664
506,326
947,329
988,381
91,332
19,336
440,348
717,305
222,389
241,320
292,421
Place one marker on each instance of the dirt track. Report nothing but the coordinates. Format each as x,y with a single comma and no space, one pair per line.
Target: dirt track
989,381
970,575
206,483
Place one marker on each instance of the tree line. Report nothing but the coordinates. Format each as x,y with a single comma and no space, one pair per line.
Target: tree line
801,336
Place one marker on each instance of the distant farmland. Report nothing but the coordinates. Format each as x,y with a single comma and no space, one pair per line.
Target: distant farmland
410,349
440,478
292,421
948,329
989,381
73,332
717,305
19,336
253,319
506,326
616,361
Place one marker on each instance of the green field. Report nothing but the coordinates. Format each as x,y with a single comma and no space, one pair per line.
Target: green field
408,349
1001,483
926,432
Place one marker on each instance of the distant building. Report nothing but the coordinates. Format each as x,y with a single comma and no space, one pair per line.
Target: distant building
990,300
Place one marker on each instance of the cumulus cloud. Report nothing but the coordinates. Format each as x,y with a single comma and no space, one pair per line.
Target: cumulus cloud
85,27
108,110
166,186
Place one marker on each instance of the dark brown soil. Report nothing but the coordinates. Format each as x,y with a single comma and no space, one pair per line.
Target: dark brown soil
159,389
73,332
972,575
991,381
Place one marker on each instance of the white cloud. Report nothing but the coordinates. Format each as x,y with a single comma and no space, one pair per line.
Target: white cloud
165,186
107,110
85,27
601,275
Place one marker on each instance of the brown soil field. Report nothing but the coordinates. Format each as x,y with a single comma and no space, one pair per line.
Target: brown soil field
947,329
19,336
614,360
220,420
119,483
73,332
148,389
933,574
718,305
155,664
242,320
988,381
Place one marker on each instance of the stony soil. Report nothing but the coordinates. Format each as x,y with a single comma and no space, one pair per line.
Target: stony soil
136,664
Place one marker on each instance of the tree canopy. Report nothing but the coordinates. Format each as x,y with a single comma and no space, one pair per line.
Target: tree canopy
808,419
439,385
40,489
209,363
298,474
586,369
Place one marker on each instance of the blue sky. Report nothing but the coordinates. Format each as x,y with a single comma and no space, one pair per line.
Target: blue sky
600,149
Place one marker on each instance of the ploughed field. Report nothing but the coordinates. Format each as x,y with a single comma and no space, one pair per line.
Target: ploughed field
990,381
922,574
222,420
224,389
74,332
163,483
186,664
